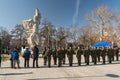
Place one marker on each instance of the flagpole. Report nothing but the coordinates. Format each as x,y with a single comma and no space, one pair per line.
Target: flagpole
56,36
49,36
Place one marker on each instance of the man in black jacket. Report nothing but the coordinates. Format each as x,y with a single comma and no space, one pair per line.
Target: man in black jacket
35,56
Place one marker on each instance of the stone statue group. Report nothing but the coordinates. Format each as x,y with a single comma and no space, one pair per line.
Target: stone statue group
32,26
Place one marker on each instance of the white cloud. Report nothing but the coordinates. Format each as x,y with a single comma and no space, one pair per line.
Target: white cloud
76,11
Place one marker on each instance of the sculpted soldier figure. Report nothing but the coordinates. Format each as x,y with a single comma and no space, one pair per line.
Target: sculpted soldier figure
31,27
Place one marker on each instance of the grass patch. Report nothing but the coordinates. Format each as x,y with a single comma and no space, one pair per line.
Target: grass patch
5,57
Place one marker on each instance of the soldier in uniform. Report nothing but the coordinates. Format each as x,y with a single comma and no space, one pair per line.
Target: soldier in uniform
86,55
70,55
98,54
54,54
110,55
48,55
60,56
91,53
116,51
64,55
44,57
78,55
95,55
103,54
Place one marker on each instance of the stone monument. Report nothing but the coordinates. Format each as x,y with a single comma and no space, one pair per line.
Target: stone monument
31,27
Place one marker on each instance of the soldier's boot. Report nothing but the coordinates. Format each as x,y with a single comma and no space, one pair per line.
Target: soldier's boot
113,58
103,62
99,59
95,63
55,63
59,65
87,63
79,63
49,65
110,61
117,58
70,64
63,61
44,62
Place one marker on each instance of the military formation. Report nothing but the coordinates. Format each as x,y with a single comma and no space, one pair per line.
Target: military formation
59,56
93,55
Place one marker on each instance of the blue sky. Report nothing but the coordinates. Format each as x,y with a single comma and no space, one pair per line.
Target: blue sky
60,12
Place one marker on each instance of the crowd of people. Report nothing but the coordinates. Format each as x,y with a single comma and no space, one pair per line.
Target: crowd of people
60,54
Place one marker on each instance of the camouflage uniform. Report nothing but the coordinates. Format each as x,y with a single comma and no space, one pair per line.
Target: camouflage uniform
86,55
110,55
64,55
91,53
117,53
98,54
70,56
48,55
44,57
103,54
78,55
95,55
54,54
60,57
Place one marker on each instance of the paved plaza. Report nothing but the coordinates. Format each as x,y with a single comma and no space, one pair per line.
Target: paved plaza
91,72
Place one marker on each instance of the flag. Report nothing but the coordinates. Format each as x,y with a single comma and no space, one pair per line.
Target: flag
48,30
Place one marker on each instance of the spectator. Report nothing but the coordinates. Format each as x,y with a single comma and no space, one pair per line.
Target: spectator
26,56
15,58
35,56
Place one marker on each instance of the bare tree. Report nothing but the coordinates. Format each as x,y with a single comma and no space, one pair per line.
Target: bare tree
88,36
46,33
100,17
5,37
19,33
62,35
74,34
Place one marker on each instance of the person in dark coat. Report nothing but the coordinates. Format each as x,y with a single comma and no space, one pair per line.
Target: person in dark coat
26,56
35,56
